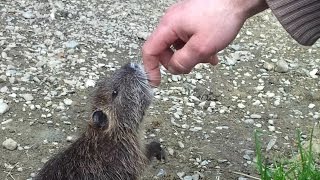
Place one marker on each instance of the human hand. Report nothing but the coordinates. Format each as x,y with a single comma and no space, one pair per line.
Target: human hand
198,30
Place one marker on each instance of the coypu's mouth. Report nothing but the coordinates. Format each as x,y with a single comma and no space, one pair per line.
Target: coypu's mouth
143,73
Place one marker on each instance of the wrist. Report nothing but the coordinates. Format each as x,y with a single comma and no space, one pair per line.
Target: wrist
250,8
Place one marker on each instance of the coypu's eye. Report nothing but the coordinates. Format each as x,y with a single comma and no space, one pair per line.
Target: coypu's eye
114,93
99,119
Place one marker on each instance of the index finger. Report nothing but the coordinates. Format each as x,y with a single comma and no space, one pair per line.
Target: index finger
158,43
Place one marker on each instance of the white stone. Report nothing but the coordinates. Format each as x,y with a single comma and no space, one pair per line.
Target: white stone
249,121
222,127
72,44
181,174
143,35
241,106
7,121
282,66
28,15
27,97
194,129
3,107
171,151
270,94
271,143
271,128
4,89
187,178
311,106
185,126
90,83
313,73
4,55
259,88
268,66
195,177
199,76
202,104
69,138
67,101
256,103
176,78
212,104
10,144
255,116
203,163
181,145
19,169
270,122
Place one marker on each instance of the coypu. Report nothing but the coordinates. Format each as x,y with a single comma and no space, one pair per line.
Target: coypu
110,148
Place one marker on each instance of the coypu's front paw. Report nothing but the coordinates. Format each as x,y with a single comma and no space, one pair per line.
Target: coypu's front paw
154,149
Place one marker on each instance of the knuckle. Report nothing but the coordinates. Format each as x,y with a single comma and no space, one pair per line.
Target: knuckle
146,50
202,51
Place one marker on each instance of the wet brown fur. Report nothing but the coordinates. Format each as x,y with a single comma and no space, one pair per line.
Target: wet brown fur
114,151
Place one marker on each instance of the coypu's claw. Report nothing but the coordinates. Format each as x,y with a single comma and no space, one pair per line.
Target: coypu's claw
154,149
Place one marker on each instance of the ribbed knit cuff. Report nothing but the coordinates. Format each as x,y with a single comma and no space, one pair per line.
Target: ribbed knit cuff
301,18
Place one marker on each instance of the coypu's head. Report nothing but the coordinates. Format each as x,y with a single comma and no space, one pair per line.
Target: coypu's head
119,101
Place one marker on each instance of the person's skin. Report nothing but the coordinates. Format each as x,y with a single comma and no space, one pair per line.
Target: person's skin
198,30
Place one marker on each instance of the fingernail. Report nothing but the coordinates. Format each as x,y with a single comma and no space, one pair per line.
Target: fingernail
171,70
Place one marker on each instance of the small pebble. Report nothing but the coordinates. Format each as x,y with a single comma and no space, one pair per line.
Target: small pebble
90,83
10,144
72,44
271,122
143,35
195,177
27,97
181,174
255,116
69,138
271,143
176,78
268,66
246,157
241,106
311,106
28,15
187,178
19,169
242,178
3,107
282,66
249,121
161,173
181,145
271,128
314,73
222,160
199,76
33,175
67,101
171,151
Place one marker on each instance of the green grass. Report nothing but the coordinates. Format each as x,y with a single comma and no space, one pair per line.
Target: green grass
301,168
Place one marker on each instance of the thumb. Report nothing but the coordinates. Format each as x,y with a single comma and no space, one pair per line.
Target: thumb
195,51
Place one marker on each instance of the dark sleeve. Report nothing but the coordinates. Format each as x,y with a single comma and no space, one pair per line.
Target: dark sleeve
301,18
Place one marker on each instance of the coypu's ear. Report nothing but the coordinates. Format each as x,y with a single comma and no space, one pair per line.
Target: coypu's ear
99,119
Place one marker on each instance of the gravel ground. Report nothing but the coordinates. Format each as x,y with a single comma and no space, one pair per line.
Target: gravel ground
53,52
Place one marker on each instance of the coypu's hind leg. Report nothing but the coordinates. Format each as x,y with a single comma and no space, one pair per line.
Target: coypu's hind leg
154,149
